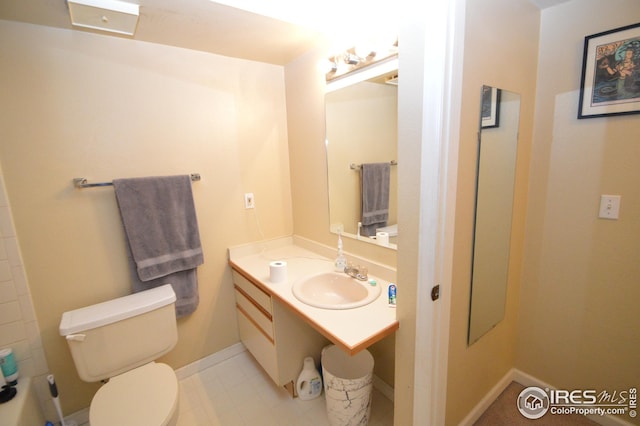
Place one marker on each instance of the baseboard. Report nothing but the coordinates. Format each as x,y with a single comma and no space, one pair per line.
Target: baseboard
383,388
79,417
209,361
515,375
488,399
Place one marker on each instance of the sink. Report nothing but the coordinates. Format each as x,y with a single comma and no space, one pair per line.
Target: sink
333,290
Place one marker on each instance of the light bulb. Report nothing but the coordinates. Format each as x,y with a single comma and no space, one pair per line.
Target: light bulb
363,50
329,65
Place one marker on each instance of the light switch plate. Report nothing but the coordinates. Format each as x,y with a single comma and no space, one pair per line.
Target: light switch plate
609,206
249,201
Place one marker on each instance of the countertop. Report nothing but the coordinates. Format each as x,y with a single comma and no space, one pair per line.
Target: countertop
351,329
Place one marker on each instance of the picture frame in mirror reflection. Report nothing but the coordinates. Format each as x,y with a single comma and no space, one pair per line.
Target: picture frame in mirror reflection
490,109
610,80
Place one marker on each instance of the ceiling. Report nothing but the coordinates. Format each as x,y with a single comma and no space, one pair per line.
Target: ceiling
193,24
543,4
216,27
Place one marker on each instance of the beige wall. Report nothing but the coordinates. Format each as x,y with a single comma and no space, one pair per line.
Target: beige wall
83,105
501,47
579,318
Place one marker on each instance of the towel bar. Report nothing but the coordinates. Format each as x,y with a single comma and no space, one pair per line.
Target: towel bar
354,166
82,182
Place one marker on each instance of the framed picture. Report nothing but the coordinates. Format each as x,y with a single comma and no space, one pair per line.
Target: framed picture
490,107
610,83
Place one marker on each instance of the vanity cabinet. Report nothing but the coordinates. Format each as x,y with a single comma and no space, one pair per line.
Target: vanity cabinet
277,338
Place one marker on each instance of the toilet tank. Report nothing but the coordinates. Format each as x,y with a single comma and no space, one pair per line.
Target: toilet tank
116,336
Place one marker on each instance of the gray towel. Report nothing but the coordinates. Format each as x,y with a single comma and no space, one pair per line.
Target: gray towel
160,222
184,283
375,196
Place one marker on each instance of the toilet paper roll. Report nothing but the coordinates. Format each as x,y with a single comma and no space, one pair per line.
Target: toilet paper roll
382,238
278,271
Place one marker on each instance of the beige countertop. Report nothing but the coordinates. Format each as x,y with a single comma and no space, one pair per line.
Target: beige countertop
351,329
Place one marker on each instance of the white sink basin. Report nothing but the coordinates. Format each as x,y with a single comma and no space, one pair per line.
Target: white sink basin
333,290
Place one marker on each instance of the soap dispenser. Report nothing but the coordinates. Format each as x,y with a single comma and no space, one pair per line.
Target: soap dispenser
341,261
309,384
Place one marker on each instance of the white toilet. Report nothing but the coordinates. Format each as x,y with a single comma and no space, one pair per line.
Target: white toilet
120,340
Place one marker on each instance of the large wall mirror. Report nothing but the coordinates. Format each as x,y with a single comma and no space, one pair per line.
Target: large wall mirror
362,129
497,147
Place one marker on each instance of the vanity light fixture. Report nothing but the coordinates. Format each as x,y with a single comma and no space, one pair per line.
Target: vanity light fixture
105,15
356,58
393,80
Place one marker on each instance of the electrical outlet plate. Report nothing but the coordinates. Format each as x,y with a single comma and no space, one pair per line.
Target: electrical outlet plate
249,201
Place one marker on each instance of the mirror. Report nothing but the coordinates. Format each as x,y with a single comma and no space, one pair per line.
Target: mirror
496,163
362,128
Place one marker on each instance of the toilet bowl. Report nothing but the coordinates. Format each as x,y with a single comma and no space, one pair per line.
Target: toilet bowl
120,340
147,395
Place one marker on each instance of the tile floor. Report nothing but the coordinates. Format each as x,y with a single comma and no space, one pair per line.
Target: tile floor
237,392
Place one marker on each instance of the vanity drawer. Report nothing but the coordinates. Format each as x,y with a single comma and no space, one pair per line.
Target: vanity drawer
257,316
262,349
253,291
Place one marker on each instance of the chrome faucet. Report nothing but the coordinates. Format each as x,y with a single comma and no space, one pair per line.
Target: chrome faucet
358,272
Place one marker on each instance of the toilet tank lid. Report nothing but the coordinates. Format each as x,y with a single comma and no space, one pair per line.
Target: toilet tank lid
115,310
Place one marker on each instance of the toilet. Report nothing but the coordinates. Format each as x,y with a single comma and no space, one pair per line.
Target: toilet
119,341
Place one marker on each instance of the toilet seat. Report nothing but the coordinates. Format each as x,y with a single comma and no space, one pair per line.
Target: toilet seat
144,396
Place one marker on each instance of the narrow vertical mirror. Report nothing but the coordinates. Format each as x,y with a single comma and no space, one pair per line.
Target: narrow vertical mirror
496,164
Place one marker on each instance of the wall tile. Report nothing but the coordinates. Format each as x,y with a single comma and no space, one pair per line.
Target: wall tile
39,362
3,193
13,251
5,271
8,292
6,224
10,312
26,367
21,350
26,307
20,280
33,335
11,333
